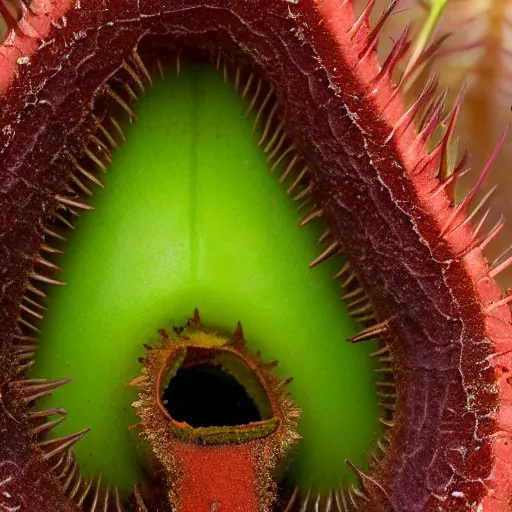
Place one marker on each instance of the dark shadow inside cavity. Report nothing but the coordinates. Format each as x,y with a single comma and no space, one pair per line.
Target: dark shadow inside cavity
207,396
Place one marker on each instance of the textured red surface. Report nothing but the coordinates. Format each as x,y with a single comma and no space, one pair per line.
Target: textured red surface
450,448
217,477
33,27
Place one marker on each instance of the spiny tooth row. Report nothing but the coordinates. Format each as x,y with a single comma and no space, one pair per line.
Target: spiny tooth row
32,312
86,493
67,471
98,149
281,153
38,277
358,495
437,160
100,498
140,66
121,102
427,112
274,141
430,108
220,64
335,500
62,463
56,450
71,480
24,353
98,153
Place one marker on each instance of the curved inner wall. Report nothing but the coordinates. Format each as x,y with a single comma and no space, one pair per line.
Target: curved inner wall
192,217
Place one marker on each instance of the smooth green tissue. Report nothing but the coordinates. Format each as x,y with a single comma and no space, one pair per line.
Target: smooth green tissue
191,216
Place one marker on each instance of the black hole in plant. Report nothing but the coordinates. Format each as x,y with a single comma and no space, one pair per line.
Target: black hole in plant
207,396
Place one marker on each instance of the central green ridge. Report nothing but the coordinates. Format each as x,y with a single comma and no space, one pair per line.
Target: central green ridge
191,216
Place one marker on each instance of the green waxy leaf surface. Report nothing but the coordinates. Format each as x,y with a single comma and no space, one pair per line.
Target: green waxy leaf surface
191,216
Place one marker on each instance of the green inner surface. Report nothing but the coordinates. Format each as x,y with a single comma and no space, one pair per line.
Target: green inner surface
192,217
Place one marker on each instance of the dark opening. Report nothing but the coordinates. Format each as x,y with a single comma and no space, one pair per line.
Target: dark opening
207,396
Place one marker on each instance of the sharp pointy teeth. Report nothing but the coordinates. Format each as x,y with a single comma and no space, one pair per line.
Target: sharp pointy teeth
85,492
274,149
118,128
49,425
69,475
370,332
139,499
288,169
73,203
386,423
325,235
344,270
25,338
381,351
238,335
108,136
64,221
47,280
53,234
32,415
315,214
53,447
268,124
136,78
448,227
94,159
195,320
29,325
332,250
138,382
35,389
121,102
352,277
131,93
46,263
136,58
36,291
81,186
35,314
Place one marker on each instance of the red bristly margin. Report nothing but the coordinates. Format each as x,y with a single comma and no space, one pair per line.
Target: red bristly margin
448,327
